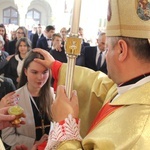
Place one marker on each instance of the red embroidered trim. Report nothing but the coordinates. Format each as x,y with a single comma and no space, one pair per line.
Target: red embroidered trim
69,130
55,70
105,111
63,121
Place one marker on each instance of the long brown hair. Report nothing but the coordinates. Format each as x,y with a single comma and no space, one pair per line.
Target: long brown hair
26,41
45,96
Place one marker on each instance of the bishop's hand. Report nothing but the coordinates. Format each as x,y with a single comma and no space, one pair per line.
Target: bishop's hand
62,106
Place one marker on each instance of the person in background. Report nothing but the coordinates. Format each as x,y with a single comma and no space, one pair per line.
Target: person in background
33,31
80,59
4,35
14,66
123,96
20,32
4,56
6,86
94,56
58,51
46,41
63,33
81,35
37,35
13,35
35,97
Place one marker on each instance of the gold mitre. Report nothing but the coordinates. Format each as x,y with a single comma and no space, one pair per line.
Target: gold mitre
130,18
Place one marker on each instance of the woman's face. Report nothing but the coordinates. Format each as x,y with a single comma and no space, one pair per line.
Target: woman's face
23,49
2,31
19,34
37,75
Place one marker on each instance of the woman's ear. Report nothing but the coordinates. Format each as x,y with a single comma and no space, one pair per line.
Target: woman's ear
122,50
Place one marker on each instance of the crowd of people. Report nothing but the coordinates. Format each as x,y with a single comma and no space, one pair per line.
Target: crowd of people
108,110
13,52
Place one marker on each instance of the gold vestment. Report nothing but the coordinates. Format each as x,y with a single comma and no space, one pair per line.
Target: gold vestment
127,128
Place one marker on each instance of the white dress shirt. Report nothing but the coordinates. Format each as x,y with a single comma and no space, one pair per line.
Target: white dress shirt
97,56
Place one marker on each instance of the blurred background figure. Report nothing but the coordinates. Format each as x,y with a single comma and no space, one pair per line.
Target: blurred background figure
94,56
63,33
4,56
37,35
81,35
20,32
4,35
13,35
6,86
58,51
14,66
45,42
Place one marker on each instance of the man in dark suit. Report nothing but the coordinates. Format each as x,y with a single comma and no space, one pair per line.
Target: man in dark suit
92,55
46,41
37,35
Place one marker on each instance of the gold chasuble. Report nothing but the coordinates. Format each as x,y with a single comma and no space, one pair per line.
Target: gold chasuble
1,145
92,88
134,111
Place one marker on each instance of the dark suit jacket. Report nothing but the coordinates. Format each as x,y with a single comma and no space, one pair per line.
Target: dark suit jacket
11,70
80,58
6,86
85,44
42,43
34,39
12,47
3,61
89,58
60,56
6,45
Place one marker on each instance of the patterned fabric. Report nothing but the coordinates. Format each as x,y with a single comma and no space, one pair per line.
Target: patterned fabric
69,130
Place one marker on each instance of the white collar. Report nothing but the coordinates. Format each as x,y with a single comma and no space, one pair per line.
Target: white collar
123,89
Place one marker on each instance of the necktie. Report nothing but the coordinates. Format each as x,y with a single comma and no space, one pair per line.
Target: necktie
99,61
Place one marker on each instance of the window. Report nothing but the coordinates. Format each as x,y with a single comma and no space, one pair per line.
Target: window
10,16
34,15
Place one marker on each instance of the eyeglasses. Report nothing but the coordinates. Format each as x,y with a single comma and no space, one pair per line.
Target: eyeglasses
20,32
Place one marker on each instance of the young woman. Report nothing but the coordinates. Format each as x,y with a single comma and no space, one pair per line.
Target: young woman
14,66
20,32
35,96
